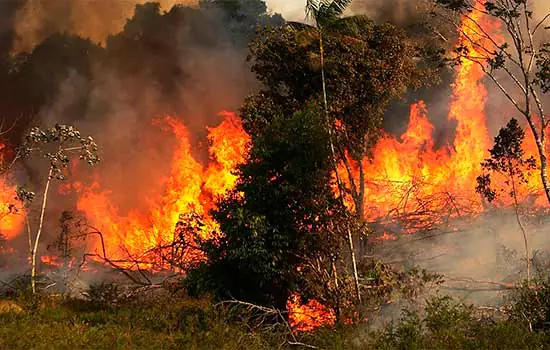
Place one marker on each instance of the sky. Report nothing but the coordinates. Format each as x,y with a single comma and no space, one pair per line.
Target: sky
292,10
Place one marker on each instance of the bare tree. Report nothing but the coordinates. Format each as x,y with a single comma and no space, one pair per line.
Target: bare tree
519,66
58,145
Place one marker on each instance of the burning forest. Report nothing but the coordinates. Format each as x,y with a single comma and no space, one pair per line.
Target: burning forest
307,174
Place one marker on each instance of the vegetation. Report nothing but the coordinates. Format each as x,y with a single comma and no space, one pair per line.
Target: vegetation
508,159
278,217
518,66
289,225
58,145
170,321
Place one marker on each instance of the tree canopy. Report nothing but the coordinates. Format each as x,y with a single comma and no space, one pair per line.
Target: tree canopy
367,66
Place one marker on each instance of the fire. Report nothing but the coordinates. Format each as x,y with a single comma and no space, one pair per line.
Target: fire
387,237
405,175
190,188
11,220
409,176
309,316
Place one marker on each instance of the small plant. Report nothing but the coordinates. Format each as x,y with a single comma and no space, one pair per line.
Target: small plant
530,305
103,294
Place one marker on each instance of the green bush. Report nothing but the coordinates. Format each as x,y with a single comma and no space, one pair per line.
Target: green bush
447,324
530,305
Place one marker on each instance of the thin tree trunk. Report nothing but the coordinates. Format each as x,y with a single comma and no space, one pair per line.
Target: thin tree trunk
361,194
40,225
354,264
335,275
29,234
544,167
524,234
335,164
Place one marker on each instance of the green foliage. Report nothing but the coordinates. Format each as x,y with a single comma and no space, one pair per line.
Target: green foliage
447,324
169,322
325,11
530,305
366,65
276,218
160,323
507,158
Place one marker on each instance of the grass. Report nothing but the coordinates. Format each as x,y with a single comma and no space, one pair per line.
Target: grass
170,322
49,322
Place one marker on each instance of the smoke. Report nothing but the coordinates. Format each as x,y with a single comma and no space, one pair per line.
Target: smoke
292,10
8,10
184,62
477,257
37,19
398,12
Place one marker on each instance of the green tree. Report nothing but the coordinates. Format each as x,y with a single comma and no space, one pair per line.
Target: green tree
57,145
276,219
351,66
366,66
325,12
508,159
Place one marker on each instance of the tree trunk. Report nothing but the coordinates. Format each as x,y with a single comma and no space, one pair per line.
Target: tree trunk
29,234
524,234
354,264
361,194
543,168
40,225
334,161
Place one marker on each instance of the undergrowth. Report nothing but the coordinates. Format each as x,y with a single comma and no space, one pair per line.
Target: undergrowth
163,321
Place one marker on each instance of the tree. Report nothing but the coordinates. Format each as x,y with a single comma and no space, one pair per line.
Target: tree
519,67
276,219
508,158
350,66
57,145
366,66
326,12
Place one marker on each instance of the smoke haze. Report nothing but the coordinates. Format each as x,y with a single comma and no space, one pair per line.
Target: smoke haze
189,64
184,62
38,19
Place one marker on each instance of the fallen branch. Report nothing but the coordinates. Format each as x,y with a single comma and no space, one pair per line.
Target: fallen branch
271,312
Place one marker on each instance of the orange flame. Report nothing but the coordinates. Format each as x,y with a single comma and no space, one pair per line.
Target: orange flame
190,188
409,175
309,316
11,220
